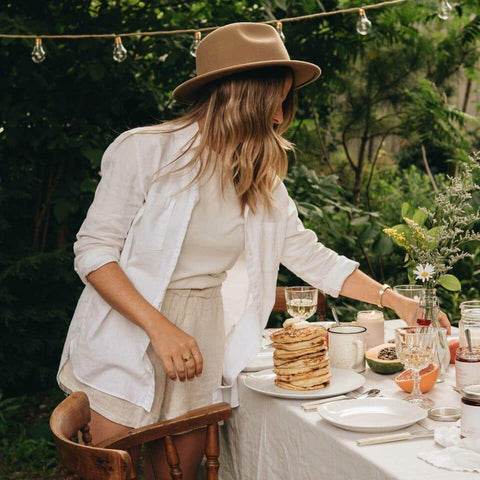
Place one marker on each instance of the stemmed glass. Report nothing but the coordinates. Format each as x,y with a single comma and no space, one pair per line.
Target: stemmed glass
301,302
416,349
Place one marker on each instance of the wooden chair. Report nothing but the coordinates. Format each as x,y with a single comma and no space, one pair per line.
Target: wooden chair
110,460
281,304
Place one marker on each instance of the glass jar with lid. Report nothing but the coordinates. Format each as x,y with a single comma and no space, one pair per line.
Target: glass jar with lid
470,423
467,366
470,318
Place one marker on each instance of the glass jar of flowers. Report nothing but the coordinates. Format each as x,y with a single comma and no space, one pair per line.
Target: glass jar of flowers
434,239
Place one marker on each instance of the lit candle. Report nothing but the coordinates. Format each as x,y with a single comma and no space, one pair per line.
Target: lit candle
374,322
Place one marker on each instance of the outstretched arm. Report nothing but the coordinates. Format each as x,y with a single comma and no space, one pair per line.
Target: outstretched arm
361,287
335,274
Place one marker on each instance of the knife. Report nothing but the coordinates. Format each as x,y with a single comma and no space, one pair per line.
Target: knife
394,437
312,406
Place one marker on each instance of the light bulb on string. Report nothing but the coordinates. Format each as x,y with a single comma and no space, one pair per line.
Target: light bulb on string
279,28
445,10
364,25
119,51
38,52
194,45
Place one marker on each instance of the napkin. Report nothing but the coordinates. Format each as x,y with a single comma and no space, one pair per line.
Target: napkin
459,454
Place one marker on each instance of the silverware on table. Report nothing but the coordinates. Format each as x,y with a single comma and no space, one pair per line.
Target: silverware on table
394,437
312,406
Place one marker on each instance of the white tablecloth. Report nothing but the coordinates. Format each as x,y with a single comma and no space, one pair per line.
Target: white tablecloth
273,438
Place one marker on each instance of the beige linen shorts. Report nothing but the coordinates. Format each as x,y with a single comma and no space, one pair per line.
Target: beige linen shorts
198,312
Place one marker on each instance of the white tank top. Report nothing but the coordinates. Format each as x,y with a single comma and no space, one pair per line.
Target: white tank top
214,238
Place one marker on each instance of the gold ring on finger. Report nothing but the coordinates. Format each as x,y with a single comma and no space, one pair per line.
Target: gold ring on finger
186,359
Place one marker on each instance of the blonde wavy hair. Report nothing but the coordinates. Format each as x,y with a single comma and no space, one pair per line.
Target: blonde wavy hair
238,135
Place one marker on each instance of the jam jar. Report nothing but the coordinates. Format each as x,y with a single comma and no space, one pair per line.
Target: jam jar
470,422
467,366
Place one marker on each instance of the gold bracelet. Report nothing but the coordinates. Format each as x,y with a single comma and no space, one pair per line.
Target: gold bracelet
384,288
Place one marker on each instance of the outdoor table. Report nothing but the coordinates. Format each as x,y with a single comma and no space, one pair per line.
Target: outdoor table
274,438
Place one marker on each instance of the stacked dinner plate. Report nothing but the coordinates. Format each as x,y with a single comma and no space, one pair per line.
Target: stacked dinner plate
300,357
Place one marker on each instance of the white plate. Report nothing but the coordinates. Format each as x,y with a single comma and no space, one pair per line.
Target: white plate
372,415
263,361
342,381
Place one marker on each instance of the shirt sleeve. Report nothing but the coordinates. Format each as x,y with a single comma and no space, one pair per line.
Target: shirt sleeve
310,260
118,197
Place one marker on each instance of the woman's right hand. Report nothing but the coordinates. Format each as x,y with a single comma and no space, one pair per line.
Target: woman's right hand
172,345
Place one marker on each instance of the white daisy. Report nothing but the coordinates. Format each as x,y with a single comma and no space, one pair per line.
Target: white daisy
424,272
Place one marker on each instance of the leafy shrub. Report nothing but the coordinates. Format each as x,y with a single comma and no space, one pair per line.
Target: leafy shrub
26,444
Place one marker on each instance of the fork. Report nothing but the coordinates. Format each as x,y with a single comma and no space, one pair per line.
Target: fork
309,406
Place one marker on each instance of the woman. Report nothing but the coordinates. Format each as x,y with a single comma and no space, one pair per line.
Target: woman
181,246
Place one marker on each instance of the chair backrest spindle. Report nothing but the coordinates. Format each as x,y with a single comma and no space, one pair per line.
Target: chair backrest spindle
173,459
212,452
86,435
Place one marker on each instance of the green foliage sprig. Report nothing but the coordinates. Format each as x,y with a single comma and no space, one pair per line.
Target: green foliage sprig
433,238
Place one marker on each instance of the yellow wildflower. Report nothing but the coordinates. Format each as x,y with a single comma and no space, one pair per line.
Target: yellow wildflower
399,238
417,231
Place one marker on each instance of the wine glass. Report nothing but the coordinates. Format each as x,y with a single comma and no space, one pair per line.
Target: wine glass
301,302
416,349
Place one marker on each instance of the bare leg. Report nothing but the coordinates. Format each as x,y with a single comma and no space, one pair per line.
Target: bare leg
190,448
101,428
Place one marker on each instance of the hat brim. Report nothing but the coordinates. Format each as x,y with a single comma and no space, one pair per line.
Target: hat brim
304,73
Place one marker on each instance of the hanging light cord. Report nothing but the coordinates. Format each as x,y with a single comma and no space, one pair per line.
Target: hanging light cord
205,29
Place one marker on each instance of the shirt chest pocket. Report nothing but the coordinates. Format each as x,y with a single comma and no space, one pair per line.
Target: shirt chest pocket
153,226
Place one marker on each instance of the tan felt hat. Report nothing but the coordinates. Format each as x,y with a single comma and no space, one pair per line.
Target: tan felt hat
237,47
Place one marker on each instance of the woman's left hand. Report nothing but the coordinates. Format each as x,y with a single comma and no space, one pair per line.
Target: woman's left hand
406,308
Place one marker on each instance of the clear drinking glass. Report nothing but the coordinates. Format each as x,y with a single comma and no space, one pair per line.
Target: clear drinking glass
410,291
301,301
416,349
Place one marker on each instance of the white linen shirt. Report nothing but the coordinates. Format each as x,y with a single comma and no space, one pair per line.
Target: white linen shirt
141,225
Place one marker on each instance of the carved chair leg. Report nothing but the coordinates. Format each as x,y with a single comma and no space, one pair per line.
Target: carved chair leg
173,459
212,451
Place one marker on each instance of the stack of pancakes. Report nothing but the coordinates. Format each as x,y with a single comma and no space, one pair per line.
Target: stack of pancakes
300,358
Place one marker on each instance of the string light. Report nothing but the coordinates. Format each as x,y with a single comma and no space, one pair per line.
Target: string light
279,28
119,51
445,10
364,25
38,53
196,40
